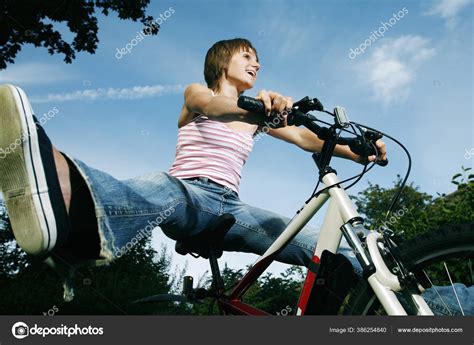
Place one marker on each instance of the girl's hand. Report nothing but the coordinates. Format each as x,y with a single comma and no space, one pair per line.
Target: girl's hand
276,106
382,152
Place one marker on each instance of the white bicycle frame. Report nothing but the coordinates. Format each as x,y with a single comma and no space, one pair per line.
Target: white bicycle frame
340,211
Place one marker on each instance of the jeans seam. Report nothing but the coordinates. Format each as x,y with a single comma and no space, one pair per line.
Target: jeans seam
441,308
202,210
213,189
273,238
222,204
126,212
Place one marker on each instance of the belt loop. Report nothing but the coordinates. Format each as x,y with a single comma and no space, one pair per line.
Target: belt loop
230,191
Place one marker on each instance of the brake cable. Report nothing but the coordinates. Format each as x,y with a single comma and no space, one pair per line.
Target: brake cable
402,186
358,176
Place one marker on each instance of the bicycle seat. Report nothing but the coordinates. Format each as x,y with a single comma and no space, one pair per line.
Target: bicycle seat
210,239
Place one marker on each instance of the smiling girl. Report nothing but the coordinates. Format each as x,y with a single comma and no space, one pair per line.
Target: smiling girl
60,206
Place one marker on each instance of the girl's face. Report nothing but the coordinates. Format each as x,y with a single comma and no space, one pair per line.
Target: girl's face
243,69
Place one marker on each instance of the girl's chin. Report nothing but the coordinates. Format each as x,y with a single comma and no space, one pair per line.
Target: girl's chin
245,88
245,85
248,84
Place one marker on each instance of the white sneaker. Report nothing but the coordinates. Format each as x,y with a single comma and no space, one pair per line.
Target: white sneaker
28,177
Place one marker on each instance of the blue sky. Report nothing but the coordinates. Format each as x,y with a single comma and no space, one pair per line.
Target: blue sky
415,83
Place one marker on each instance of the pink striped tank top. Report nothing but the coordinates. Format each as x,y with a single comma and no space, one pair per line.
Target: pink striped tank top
208,148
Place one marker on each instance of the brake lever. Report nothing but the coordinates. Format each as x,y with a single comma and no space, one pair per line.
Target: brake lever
308,104
297,118
373,136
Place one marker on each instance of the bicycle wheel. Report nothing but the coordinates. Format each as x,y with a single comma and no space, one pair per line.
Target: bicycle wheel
442,263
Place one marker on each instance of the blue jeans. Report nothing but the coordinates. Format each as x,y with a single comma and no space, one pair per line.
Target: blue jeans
129,210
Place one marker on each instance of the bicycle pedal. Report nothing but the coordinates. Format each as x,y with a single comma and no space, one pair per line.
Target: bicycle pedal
188,284
334,279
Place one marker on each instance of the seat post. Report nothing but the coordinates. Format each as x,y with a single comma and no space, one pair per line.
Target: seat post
216,274
209,244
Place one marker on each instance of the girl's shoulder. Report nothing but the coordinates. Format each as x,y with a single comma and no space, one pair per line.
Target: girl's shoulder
197,87
196,96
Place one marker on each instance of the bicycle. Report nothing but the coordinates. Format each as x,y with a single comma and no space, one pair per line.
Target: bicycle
393,275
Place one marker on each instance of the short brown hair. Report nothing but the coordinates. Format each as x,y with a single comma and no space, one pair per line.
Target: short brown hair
218,58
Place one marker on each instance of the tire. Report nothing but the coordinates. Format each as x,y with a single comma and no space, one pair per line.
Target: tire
451,244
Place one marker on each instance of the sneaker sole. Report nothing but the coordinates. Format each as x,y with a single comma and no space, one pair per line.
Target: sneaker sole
22,175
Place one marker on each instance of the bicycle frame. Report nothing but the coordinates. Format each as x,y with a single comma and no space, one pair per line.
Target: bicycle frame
340,214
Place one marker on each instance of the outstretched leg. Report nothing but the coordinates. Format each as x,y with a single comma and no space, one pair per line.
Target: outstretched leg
35,177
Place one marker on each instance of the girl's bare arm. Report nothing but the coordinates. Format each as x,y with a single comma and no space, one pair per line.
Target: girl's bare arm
199,99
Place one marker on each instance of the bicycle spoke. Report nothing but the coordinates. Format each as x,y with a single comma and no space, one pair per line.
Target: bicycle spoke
436,290
452,284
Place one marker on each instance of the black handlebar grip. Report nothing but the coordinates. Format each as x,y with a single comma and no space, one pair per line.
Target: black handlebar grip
251,104
383,163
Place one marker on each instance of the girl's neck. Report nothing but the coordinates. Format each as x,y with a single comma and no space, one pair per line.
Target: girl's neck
227,89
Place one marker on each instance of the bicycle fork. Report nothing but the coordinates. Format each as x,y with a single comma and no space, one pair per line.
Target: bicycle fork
384,282
342,214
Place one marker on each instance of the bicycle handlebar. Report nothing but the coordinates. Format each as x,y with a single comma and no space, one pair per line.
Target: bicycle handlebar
298,116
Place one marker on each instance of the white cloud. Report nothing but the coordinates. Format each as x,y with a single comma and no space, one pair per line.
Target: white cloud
136,92
448,10
34,73
392,67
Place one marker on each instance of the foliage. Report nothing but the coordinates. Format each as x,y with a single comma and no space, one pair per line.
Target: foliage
278,295
418,212
99,290
275,295
143,271
30,21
